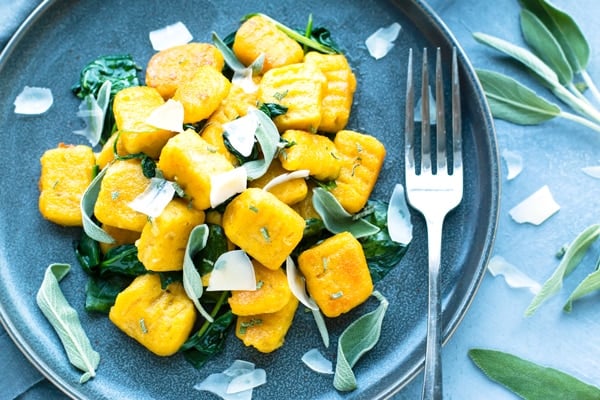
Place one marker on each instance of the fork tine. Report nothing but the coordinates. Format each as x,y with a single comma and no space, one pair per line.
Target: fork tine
409,121
425,122
440,110
456,115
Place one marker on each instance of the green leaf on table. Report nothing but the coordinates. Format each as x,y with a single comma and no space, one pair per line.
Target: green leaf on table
529,380
543,43
357,339
524,56
573,256
588,285
65,321
564,29
511,101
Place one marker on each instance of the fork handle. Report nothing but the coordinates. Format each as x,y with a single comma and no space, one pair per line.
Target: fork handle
432,385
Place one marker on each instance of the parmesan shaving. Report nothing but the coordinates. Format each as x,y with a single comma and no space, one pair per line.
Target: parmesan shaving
513,276
170,36
297,284
536,208
240,133
236,382
593,171
514,163
227,184
398,218
33,101
290,176
232,271
155,198
317,362
168,116
382,41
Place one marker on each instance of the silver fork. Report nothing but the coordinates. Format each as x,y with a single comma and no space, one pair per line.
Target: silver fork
434,189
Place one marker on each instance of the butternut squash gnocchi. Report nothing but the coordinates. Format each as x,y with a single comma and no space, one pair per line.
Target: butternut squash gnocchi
170,206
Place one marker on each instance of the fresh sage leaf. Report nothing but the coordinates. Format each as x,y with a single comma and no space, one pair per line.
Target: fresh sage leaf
65,321
564,29
338,220
88,201
357,339
228,55
268,137
529,380
524,56
511,101
192,281
543,43
575,252
588,285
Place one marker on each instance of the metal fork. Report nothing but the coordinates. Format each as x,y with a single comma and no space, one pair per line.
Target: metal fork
433,189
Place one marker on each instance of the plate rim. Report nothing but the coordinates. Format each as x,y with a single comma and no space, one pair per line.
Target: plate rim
454,322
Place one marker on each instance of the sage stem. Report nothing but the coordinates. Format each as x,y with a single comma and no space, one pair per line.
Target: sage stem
583,108
580,120
591,85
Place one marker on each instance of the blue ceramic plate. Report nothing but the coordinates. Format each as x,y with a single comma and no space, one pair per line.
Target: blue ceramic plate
62,36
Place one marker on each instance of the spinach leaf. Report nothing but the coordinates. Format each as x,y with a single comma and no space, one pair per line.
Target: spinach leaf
382,253
529,380
238,156
216,244
101,292
203,345
120,70
122,260
87,251
272,109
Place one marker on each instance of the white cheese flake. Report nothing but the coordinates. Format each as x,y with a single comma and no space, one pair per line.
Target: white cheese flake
536,208
33,101
290,176
513,276
227,184
593,171
170,36
514,163
382,40
398,219
155,198
241,133
317,362
232,271
235,383
168,116
297,284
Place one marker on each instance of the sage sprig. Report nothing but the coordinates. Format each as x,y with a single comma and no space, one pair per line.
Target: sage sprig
65,321
357,339
192,281
529,380
559,53
572,257
88,201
